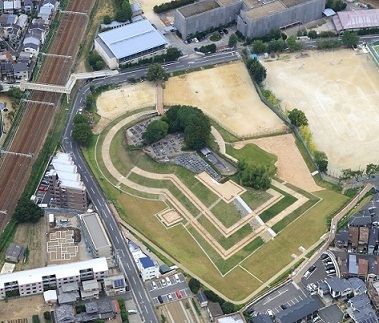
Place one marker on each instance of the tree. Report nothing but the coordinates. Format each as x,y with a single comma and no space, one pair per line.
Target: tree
233,39
172,54
47,315
90,102
155,72
276,45
257,70
298,118
127,9
213,297
293,44
155,131
194,285
107,20
1,88
82,134
259,47
350,38
312,34
80,118
371,169
321,160
14,92
27,211
196,134
99,65
227,308
255,175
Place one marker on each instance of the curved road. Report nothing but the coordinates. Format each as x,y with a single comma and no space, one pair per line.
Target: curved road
97,196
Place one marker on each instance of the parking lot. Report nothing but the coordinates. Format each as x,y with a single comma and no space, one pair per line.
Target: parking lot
286,296
170,146
167,290
195,163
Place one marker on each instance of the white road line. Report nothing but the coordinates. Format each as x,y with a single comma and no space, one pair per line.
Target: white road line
98,201
106,215
116,239
93,191
111,226
134,280
127,264
86,178
122,251
139,293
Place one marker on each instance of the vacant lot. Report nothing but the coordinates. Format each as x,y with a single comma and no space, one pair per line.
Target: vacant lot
23,308
338,93
226,94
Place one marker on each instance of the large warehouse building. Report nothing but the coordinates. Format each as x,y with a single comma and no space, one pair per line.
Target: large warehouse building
255,18
129,42
356,19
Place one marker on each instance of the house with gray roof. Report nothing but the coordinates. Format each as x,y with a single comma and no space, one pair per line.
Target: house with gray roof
359,220
262,318
338,287
358,286
360,309
14,252
373,240
214,310
304,310
64,314
21,71
342,239
353,265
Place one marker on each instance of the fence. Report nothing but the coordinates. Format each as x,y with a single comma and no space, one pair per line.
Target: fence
373,51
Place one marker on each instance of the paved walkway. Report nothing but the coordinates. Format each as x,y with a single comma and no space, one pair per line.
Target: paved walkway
221,144
159,98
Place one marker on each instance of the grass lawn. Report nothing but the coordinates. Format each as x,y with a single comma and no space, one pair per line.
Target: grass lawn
279,206
255,198
226,135
227,213
219,237
276,254
180,245
252,152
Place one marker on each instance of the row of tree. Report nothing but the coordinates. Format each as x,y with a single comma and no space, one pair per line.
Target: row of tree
256,70
171,5
257,176
82,132
371,170
123,10
191,121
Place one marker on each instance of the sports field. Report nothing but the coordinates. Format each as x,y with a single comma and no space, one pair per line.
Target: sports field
337,90
227,95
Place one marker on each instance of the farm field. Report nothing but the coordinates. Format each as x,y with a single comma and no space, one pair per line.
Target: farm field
337,90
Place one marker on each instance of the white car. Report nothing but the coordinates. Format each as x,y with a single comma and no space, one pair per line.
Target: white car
169,297
270,313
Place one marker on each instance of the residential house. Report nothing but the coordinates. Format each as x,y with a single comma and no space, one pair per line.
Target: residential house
90,289
342,239
22,22
115,285
68,293
353,266
32,45
363,239
203,301
50,296
362,268
373,292
5,56
304,310
262,318
338,287
358,286
21,71
354,234
14,252
359,220
64,313
214,310
6,72
7,19
45,12
360,310
12,6
28,6
373,268
38,31
373,240
231,318
149,269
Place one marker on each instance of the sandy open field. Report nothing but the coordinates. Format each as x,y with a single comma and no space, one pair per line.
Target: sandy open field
290,165
23,308
338,92
226,94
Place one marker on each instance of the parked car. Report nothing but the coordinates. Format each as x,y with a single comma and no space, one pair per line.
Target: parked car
329,267
163,282
312,268
177,278
283,306
168,281
270,313
225,31
42,188
160,299
154,285
169,297
324,256
331,272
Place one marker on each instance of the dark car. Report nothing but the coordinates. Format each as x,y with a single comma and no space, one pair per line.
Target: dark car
283,306
329,267
160,299
312,268
324,256
225,31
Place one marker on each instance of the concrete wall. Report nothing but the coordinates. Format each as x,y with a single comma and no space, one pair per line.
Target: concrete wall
110,61
303,13
206,20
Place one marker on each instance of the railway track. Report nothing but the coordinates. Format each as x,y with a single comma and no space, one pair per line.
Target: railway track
37,118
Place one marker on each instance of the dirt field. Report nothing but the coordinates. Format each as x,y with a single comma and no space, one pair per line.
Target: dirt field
338,92
23,308
112,104
290,165
7,115
227,94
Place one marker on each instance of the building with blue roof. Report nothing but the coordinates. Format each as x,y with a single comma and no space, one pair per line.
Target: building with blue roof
149,269
129,42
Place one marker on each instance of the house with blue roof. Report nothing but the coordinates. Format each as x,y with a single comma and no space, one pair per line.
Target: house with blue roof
149,269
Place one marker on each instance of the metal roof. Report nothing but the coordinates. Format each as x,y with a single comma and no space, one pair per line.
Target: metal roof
132,39
353,265
146,262
298,311
60,271
95,230
356,19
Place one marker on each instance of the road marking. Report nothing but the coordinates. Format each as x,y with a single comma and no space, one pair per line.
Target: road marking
86,178
106,215
134,280
139,293
92,190
116,239
127,264
122,251
111,226
98,201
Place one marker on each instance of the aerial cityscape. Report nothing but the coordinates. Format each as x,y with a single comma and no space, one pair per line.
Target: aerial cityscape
189,161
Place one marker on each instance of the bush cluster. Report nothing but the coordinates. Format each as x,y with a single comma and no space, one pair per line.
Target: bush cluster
95,61
171,5
172,54
123,311
124,10
211,48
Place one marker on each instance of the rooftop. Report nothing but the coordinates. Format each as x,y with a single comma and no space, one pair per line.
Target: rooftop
298,311
198,7
265,10
337,284
353,265
95,230
131,39
356,19
146,262
60,271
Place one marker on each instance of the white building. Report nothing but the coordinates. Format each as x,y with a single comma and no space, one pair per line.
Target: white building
35,281
135,40
96,236
149,269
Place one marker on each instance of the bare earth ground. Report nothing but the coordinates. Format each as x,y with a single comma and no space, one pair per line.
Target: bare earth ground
25,307
114,103
338,92
290,165
227,95
7,123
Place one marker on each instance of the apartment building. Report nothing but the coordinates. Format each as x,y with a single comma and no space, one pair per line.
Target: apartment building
65,185
36,281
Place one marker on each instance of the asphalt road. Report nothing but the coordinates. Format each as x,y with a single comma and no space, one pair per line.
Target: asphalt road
95,193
